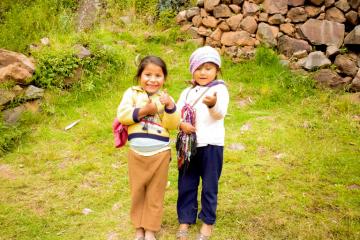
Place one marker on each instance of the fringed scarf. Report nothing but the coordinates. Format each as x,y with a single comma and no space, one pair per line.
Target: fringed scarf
186,143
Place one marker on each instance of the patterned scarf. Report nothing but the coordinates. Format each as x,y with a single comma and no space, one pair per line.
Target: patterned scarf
186,143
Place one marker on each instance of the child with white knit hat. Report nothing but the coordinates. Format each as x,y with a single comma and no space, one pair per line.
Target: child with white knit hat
200,142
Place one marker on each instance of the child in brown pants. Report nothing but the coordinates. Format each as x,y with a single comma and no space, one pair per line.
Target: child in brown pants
149,113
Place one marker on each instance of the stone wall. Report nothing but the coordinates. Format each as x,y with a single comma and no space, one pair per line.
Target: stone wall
309,34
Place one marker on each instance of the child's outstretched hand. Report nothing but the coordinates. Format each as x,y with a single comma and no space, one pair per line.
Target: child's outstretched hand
166,100
187,128
210,101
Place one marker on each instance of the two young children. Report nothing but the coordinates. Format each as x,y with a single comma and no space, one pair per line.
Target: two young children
149,114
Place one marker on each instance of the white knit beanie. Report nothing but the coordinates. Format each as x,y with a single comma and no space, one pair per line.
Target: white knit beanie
203,55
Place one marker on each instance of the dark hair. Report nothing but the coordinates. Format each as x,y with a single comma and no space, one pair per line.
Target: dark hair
147,60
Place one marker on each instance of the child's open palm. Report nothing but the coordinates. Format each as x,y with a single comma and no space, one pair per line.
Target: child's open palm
210,101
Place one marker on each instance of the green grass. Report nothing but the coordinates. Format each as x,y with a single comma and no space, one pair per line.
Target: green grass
292,181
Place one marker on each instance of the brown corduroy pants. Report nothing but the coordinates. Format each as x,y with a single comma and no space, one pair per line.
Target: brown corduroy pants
148,178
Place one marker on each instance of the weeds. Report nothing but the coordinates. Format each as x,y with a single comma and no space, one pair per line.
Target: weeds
22,26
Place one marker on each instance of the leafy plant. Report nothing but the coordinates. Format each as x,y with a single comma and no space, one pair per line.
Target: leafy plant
53,67
166,18
146,8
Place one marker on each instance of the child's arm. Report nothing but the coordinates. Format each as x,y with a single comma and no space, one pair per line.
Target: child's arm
128,113
184,126
171,119
218,111
126,109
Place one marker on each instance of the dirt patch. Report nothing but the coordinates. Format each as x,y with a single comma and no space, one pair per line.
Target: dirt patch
6,172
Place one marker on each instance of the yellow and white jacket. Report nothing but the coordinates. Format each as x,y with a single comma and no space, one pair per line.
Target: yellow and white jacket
149,135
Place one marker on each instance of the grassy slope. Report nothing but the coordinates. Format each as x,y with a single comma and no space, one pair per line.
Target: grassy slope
291,181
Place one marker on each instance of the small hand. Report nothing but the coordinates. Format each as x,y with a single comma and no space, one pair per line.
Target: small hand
187,128
150,108
166,100
210,101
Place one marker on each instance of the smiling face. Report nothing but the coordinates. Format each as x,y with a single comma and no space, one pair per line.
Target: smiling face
206,73
152,78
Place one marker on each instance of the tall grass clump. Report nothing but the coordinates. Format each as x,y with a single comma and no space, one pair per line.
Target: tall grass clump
25,22
10,135
276,82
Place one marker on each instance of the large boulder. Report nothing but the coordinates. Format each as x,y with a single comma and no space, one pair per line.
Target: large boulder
273,7
353,37
234,22
238,38
332,33
209,5
297,14
267,34
15,72
9,57
288,45
250,9
222,11
334,14
329,78
346,65
249,24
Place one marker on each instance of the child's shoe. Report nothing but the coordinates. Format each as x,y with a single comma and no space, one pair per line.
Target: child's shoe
182,235
202,237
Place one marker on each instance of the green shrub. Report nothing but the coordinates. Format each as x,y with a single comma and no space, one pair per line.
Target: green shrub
53,67
146,7
166,18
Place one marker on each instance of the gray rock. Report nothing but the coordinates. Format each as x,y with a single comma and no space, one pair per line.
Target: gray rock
190,13
33,92
11,116
81,51
267,34
316,60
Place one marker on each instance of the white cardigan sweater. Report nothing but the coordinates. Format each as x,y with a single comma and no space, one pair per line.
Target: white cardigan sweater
209,125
